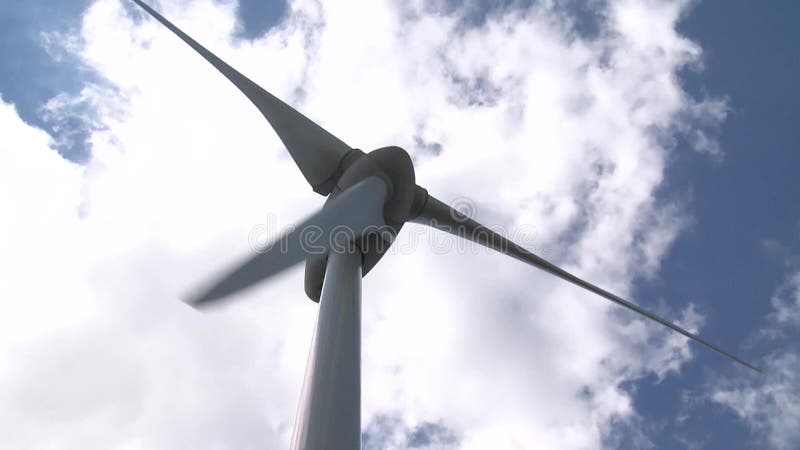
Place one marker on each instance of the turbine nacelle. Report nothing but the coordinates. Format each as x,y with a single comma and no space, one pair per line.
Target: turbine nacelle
404,200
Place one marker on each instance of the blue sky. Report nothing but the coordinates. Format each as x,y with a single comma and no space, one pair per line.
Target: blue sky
747,234
734,255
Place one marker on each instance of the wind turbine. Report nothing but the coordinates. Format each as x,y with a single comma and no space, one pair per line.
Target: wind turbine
369,198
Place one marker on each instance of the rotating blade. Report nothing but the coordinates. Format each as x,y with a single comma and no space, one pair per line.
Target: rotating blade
439,215
316,152
342,220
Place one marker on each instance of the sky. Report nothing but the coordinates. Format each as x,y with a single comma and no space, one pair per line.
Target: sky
649,146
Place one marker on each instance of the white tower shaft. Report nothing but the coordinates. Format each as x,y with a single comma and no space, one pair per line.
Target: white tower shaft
329,414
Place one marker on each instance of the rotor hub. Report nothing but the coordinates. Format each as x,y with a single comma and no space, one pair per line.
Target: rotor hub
394,166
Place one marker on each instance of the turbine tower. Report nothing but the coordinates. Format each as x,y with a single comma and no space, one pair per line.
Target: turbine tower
369,198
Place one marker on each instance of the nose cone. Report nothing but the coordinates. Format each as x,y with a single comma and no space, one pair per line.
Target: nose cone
394,165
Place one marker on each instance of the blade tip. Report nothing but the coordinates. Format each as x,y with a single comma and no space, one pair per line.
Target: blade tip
194,303
199,301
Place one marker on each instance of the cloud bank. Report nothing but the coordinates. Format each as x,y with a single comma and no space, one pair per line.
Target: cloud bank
533,122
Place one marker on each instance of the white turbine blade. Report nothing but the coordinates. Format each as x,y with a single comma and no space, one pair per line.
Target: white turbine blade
339,224
439,215
317,152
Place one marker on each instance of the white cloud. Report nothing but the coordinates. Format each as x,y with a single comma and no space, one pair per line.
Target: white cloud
770,403
536,125
786,305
